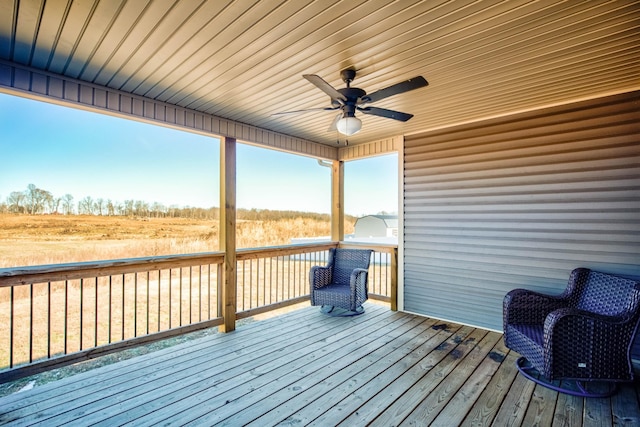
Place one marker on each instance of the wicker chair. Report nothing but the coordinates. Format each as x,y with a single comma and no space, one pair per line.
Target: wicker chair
583,335
343,282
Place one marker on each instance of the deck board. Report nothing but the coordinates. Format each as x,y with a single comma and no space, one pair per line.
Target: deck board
304,368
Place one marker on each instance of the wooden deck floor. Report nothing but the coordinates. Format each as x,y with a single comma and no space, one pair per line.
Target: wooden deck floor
304,368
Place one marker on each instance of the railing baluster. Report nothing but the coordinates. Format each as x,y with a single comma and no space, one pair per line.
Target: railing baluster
159,297
95,325
66,314
279,279
11,319
148,277
123,306
209,289
250,283
48,320
170,300
30,322
244,286
294,261
270,279
180,297
81,311
110,309
199,293
378,271
135,304
264,280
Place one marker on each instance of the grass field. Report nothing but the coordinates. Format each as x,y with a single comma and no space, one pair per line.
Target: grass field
54,239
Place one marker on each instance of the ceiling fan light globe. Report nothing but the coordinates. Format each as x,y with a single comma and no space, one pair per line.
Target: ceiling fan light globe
349,125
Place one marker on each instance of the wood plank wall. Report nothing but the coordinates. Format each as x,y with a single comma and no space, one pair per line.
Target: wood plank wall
21,80
520,201
370,149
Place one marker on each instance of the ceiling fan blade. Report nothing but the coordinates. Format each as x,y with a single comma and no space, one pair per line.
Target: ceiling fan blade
310,110
325,87
383,112
405,86
334,124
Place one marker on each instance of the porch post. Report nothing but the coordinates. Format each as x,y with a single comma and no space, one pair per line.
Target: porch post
337,201
394,279
227,235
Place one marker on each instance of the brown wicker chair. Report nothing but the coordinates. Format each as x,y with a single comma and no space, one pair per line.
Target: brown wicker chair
343,282
583,335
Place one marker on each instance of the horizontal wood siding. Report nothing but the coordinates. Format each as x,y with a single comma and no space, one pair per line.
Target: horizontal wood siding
520,201
371,149
25,81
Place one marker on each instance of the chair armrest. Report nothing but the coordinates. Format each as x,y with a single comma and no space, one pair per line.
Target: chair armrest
582,344
319,276
358,284
359,279
581,324
522,306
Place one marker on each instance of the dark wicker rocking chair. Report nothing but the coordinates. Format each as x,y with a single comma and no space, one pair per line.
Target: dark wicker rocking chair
583,335
342,283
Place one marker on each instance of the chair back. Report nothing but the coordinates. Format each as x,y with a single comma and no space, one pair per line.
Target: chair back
344,261
605,294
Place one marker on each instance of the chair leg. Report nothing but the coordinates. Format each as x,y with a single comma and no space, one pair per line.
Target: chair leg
529,371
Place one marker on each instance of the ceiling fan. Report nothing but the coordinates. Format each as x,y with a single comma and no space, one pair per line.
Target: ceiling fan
352,99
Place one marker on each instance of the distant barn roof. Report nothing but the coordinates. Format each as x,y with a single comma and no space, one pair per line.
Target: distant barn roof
391,221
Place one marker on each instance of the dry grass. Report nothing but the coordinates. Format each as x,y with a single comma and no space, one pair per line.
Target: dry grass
55,239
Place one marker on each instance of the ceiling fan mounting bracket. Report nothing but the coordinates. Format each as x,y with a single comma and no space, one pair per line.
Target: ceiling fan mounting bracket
348,75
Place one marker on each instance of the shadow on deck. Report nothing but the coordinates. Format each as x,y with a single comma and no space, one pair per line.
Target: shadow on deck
304,368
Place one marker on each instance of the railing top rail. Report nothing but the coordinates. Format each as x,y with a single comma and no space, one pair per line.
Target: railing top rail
77,270
58,272
271,251
378,247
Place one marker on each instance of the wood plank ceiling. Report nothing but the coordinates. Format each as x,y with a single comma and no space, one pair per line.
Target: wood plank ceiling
244,60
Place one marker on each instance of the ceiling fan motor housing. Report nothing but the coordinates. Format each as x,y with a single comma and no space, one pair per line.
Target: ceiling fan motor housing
353,95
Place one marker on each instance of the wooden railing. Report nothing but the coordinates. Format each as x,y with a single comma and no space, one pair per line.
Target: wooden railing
53,315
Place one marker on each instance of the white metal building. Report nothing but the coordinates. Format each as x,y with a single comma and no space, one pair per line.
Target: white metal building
377,226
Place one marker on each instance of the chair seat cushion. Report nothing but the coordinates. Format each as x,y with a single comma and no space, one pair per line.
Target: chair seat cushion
344,290
335,295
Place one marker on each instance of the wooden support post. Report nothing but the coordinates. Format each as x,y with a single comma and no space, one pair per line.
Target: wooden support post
227,235
337,201
393,293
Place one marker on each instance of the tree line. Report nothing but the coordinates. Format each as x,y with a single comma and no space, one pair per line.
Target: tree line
36,201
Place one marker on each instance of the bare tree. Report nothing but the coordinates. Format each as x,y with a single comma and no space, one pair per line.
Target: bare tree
67,204
85,206
141,208
16,202
53,203
111,209
118,209
158,210
99,205
36,199
128,207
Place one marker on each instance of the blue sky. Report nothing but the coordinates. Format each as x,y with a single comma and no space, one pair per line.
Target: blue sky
64,150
